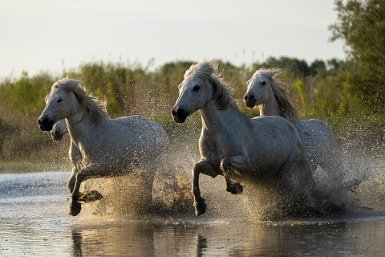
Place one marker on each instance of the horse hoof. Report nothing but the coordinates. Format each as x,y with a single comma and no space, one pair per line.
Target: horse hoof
69,189
90,196
200,208
235,188
75,208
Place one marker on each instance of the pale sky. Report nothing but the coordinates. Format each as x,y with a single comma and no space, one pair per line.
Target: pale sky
52,35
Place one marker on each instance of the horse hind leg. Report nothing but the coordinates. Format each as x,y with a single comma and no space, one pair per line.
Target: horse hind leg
316,200
298,183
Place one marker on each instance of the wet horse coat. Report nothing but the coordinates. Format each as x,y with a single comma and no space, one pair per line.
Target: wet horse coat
245,151
108,147
268,93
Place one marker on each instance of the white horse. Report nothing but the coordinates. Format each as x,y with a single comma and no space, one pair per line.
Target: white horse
59,129
108,147
264,151
267,92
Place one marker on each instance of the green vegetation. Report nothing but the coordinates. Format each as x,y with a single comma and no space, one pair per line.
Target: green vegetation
361,24
348,94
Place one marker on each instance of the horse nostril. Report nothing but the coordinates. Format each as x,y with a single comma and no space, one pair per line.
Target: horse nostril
179,114
45,123
177,111
245,97
180,111
250,100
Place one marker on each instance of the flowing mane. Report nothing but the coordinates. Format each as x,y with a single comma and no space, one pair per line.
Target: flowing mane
205,71
95,107
287,109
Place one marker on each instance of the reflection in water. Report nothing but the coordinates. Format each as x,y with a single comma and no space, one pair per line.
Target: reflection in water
231,239
139,239
201,245
77,243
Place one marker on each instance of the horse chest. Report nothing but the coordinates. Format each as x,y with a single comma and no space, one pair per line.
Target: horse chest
217,147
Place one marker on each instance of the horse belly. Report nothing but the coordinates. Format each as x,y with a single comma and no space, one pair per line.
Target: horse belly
116,156
262,172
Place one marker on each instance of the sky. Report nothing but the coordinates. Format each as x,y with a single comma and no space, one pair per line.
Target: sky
56,35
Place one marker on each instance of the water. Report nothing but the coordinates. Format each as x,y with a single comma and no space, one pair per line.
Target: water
34,221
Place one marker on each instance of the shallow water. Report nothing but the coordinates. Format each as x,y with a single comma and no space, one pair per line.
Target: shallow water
35,222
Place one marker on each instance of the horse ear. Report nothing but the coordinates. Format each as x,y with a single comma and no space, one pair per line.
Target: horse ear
274,71
214,64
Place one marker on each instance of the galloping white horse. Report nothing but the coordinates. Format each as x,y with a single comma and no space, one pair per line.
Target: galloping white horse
108,147
267,92
264,151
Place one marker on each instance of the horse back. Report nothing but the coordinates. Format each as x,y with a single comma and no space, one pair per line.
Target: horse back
137,134
276,140
268,142
315,126
275,129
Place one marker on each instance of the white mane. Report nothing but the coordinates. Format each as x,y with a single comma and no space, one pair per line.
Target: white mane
95,107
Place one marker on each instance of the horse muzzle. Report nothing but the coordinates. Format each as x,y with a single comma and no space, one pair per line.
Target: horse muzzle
179,114
249,100
45,123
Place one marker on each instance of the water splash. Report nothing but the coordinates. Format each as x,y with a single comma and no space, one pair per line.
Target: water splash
361,187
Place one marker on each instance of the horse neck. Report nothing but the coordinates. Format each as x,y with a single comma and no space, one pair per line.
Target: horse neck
270,108
217,119
79,126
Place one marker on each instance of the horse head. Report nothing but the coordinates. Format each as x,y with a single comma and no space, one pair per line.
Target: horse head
61,102
267,91
259,88
194,92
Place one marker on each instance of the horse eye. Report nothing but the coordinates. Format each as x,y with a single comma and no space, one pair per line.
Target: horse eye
263,83
59,100
196,88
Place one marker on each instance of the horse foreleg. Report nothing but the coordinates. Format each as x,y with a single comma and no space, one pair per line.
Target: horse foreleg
233,187
199,202
72,180
81,176
231,165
